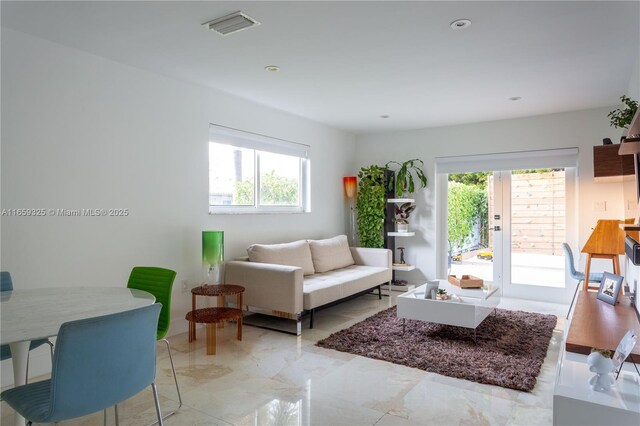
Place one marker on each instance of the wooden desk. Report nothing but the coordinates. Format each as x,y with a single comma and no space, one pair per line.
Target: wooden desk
597,324
606,242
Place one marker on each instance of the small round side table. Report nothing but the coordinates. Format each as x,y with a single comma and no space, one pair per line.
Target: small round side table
219,291
211,317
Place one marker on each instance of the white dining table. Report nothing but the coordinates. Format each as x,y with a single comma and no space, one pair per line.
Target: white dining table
37,313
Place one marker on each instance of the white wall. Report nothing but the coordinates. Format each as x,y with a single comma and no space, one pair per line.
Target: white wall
582,129
634,83
80,131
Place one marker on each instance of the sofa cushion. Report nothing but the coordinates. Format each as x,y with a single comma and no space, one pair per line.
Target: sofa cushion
296,253
327,287
332,253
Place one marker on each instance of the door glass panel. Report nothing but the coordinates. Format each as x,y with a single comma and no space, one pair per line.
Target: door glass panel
538,227
469,225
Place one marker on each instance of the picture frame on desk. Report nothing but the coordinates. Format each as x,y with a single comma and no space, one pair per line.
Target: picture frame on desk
636,164
623,350
610,288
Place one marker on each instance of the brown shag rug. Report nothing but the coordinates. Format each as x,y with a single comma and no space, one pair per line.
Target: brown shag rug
509,349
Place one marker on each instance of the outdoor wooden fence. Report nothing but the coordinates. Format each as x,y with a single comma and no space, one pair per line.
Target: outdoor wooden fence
538,212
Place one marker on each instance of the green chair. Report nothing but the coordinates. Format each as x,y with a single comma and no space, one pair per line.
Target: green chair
159,282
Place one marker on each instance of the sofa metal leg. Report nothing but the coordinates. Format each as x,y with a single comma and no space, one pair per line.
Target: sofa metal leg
380,292
311,317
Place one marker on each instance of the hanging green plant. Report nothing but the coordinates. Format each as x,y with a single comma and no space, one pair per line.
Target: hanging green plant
371,203
405,183
621,118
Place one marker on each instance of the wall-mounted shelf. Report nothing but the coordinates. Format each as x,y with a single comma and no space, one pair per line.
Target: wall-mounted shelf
632,145
403,267
629,227
401,234
609,165
400,288
401,200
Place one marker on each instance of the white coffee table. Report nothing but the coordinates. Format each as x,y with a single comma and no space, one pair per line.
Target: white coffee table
470,308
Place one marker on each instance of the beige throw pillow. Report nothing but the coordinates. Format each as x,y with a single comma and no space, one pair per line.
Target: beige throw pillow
332,253
296,253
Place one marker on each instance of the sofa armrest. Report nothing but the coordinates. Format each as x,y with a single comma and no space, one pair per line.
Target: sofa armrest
371,256
267,286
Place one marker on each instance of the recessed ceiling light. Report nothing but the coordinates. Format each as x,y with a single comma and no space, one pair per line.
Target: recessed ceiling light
515,98
229,24
460,24
385,116
272,68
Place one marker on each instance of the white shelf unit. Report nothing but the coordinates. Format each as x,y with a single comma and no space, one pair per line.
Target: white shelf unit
400,288
393,234
400,200
401,234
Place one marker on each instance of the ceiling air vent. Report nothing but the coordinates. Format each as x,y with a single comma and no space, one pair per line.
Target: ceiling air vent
232,23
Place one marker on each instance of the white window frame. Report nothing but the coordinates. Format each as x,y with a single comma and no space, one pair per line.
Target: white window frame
261,143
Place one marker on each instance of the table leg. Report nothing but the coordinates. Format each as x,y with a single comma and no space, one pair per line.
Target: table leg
587,268
220,305
192,325
616,264
239,301
19,354
211,338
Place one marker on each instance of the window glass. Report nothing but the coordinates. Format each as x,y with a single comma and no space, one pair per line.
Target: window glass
279,180
231,175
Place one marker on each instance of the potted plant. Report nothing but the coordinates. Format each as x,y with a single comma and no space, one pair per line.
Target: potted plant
402,213
621,117
371,203
404,181
441,294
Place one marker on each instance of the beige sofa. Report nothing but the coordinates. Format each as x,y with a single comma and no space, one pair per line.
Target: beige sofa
289,279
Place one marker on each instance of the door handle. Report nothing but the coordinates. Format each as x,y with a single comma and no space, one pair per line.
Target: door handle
497,228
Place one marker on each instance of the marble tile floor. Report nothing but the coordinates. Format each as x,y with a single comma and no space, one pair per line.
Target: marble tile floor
271,378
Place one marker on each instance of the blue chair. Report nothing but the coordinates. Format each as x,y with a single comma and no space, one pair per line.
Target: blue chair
594,277
6,284
98,363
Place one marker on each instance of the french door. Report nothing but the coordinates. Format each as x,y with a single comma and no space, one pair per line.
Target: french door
518,244
529,225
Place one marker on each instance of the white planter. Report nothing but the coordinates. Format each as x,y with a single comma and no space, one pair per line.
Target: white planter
400,227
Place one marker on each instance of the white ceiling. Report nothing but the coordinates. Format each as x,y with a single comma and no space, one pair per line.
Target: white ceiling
347,63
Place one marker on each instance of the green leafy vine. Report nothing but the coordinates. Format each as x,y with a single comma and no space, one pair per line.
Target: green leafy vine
371,203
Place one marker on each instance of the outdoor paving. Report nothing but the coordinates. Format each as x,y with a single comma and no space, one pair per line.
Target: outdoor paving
529,269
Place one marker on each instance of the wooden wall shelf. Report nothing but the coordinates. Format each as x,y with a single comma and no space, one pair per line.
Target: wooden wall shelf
607,163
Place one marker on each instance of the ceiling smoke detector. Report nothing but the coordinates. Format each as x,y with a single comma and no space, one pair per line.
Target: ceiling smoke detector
460,24
232,23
